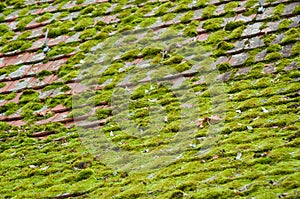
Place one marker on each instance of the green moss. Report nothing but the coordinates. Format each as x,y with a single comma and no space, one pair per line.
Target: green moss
2,6
273,56
9,108
181,7
208,11
268,38
79,112
162,9
24,21
191,30
87,10
295,49
297,10
29,95
292,35
59,28
87,45
9,96
285,24
29,108
233,25
223,67
274,48
16,45
79,1
182,67
236,33
3,29
84,23
216,37
148,22
24,35
130,55
176,59
60,49
278,10
151,51
103,113
87,33
186,18
230,6
41,75
63,14
54,101
168,17
2,85
212,24
45,17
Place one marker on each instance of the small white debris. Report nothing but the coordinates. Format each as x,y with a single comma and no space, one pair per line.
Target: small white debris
111,134
238,111
151,176
146,151
239,156
165,119
193,145
45,168
264,110
153,100
250,128
32,166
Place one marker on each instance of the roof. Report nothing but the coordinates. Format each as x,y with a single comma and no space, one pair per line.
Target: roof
222,124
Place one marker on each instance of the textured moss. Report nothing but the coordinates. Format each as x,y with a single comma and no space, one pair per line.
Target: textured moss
208,11
212,24
185,18
45,17
24,21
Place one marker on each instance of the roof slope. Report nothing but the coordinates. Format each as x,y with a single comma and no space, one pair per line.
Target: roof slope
44,103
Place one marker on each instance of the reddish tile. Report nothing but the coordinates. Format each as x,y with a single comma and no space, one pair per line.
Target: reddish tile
38,44
202,37
7,86
17,123
13,60
57,40
59,108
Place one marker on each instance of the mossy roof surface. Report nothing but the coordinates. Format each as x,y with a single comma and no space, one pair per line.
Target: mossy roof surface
236,99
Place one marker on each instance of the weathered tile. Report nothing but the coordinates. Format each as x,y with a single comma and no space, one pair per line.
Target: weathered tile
260,56
238,59
269,69
251,30
243,71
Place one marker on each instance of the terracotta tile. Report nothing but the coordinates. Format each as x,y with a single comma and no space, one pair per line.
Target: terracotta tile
17,123
20,72
57,40
37,32
38,44
59,108
19,84
34,57
6,87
